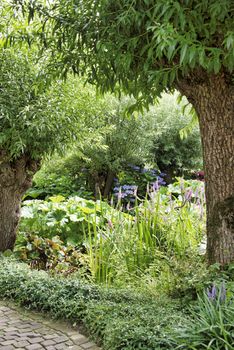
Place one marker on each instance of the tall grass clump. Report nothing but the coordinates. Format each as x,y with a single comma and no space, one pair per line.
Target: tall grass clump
162,226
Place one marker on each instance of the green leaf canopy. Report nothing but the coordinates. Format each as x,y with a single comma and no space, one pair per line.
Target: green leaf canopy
142,46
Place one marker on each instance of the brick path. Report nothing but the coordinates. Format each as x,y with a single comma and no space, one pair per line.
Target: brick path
20,330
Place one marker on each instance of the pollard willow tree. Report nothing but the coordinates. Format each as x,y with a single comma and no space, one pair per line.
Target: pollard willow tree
34,121
144,47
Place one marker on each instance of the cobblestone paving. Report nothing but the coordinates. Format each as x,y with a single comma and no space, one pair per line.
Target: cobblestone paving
20,331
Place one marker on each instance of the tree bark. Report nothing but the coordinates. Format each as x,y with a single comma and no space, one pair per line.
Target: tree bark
213,99
108,184
15,178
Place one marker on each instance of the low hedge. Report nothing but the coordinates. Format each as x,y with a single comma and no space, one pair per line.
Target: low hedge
119,319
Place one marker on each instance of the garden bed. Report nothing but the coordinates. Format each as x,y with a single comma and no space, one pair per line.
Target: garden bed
119,319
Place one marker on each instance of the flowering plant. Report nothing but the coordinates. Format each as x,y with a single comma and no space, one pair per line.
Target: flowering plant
217,294
136,181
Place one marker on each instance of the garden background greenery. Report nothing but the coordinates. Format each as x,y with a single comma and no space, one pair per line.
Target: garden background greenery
112,232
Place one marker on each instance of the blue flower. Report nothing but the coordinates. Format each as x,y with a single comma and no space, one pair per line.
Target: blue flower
144,170
161,181
129,192
155,186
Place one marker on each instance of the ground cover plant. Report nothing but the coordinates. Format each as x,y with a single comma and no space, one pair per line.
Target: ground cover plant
122,318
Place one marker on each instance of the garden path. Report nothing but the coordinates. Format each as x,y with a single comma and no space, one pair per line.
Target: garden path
21,329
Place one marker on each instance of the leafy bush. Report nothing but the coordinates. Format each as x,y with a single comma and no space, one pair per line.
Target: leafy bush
60,176
51,254
173,155
109,140
119,318
136,180
69,219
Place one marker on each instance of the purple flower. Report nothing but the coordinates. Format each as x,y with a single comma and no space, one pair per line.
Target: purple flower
121,195
219,294
155,186
181,185
211,293
144,170
188,195
129,192
161,181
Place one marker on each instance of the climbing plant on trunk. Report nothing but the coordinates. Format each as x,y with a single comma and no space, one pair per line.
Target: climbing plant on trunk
144,47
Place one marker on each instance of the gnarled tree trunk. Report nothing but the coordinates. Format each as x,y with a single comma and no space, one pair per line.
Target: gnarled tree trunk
108,183
213,99
15,178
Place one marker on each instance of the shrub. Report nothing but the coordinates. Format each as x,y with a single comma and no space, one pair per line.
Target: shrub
51,254
69,219
119,318
173,155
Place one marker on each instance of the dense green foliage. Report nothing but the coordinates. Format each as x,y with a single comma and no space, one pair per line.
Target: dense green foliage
173,154
141,47
148,245
151,239
113,143
70,219
122,319
25,106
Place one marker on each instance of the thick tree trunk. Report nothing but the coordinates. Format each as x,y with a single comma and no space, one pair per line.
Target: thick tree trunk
15,179
213,99
108,184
